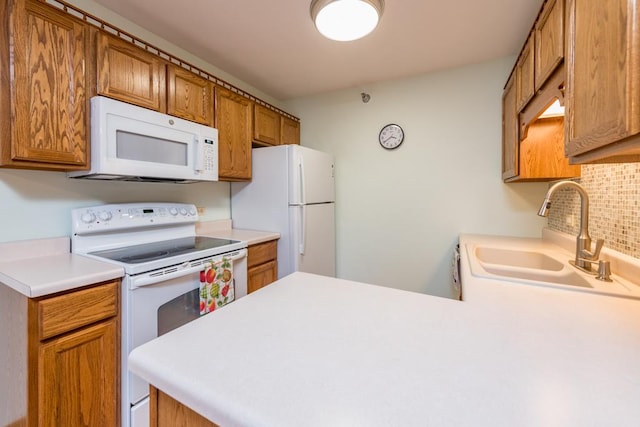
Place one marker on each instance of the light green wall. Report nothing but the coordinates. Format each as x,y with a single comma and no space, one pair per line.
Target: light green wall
37,204
399,212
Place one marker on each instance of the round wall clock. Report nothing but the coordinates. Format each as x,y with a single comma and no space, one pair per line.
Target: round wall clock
391,136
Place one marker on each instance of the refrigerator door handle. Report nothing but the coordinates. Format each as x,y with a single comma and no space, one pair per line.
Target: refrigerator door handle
303,197
303,226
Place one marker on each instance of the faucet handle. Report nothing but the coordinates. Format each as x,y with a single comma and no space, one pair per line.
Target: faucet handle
592,256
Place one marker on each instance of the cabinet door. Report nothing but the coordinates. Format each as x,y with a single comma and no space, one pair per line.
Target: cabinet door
549,40
510,140
233,121
189,96
77,376
48,89
603,73
266,125
130,74
262,275
289,131
525,74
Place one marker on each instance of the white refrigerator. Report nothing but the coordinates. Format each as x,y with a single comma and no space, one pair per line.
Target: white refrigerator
292,193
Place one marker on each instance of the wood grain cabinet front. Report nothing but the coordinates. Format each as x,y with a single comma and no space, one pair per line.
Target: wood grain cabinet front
533,142
266,125
525,80
510,136
129,73
43,100
189,96
233,119
603,86
262,265
73,358
289,131
549,41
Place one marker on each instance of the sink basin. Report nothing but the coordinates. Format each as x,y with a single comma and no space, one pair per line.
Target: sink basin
539,263
565,278
517,258
527,265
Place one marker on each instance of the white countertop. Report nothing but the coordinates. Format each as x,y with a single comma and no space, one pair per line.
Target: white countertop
316,351
222,229
37,268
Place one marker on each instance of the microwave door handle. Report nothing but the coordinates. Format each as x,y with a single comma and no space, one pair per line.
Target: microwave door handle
138,282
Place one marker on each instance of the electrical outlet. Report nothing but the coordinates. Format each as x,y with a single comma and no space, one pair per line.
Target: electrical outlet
201,210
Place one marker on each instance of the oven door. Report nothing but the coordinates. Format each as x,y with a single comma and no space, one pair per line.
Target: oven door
155,303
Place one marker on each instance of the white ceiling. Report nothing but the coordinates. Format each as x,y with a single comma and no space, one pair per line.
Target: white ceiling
274,46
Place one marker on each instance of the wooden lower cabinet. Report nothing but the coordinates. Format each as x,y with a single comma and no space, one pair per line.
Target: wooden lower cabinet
165,411
61,355
77,382
262,265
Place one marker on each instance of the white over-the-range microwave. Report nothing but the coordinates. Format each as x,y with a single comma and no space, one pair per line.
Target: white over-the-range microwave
130,143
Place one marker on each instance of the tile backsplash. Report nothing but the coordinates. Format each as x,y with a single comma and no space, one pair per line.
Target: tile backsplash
614,206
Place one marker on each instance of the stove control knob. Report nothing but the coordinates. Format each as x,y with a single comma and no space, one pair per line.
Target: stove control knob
87,217
183,211
173,211
192,211
105,215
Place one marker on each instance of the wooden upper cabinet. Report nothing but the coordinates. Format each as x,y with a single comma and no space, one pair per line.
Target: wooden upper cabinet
129,73
510,140
289,131
525,83
234,124
603,85
266,125
189,96
549,41
43,97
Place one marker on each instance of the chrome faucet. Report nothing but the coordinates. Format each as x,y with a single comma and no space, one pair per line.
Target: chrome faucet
584,257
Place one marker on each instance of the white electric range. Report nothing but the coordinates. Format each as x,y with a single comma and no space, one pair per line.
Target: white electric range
162,256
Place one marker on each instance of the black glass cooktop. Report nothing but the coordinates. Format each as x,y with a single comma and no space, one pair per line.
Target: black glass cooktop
146,252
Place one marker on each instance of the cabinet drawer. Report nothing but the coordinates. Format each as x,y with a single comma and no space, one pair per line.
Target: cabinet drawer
262,252
66,312
261,276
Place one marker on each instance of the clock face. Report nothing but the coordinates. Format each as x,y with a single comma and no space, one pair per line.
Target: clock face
391,136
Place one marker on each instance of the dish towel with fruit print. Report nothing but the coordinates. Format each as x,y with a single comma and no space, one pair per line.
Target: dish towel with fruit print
216,285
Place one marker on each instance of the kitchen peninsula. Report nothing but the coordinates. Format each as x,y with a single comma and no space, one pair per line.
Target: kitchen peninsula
317,351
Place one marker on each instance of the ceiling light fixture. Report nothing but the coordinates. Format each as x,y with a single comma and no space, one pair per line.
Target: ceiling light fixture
346,20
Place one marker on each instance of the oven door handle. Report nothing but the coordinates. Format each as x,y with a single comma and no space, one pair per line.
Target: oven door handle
169,273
